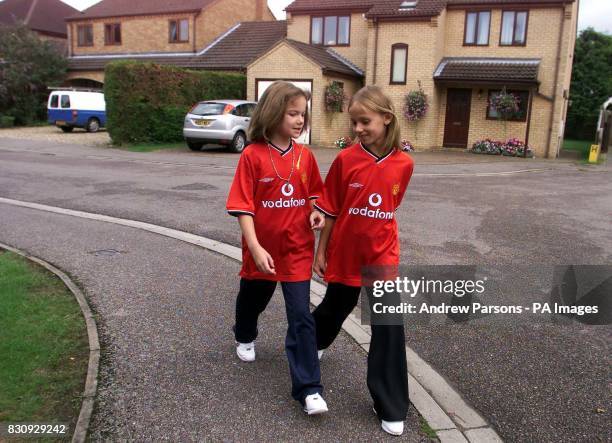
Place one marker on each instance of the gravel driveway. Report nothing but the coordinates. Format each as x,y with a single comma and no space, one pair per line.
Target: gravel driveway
53,134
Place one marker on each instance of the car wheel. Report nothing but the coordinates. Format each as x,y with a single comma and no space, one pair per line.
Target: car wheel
66,128
239,142
92,125
194,146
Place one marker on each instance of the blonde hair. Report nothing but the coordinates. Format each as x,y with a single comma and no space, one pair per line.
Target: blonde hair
374,99
270,110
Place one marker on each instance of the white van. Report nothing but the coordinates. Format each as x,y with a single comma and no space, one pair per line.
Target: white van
69,109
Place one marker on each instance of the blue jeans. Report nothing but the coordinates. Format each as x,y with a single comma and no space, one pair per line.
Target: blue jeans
300,342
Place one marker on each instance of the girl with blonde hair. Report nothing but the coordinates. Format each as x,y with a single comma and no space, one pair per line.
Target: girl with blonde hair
363,189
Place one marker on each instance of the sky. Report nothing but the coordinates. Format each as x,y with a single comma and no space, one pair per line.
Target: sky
594,13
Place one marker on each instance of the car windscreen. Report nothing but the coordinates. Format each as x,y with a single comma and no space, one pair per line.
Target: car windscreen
208,109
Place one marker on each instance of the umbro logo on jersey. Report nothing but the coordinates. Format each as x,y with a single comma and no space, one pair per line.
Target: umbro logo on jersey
266,179
356,185
287,190
374,200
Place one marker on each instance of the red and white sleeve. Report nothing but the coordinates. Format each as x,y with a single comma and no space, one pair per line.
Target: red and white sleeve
241,198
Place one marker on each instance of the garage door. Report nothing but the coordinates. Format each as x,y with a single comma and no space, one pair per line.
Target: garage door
262,85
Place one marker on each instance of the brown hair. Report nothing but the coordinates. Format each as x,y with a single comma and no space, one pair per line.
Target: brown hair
374,99
270,110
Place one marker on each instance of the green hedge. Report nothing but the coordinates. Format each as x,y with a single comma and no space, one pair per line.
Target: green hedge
7,121
147,103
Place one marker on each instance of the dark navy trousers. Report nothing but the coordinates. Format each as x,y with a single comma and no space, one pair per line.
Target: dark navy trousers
300,342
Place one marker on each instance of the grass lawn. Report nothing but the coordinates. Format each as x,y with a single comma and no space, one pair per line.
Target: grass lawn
583,146
43,344
150,147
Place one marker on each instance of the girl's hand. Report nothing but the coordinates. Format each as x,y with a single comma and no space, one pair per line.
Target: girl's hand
263,260
319,265
317,220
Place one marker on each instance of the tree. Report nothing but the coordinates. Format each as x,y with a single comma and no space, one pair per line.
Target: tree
27,66
591,82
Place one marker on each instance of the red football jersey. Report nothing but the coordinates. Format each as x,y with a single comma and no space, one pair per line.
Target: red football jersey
362,192
280,208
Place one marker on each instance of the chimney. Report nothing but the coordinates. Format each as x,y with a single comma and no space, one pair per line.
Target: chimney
259,8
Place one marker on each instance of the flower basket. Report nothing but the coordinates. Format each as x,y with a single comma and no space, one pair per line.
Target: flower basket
334,97
415,105
505,103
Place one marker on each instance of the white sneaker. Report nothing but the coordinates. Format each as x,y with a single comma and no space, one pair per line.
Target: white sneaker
392,427
246,351
314,404
320,353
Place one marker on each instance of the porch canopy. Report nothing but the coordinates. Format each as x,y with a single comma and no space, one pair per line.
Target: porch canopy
483,70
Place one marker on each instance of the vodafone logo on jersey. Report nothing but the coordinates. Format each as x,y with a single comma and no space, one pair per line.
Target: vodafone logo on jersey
375,200
286,190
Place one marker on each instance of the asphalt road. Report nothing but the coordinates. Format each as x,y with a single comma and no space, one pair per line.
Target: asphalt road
533,381
169,370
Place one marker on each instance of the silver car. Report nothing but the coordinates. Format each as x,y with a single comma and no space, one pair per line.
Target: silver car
223,122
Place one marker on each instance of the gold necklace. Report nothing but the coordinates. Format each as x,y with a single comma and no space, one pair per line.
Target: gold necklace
288,179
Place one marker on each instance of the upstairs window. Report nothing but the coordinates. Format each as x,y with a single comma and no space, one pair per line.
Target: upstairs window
85,35
332,30
112,34
399,63
514,28
179,31
408,5
477,26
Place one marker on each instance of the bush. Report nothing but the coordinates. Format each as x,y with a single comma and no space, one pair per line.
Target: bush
7,121
27,66
146,103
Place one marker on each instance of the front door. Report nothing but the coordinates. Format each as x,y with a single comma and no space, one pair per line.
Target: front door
457,123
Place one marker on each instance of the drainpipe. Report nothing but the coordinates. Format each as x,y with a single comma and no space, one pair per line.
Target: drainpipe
375,51
70,37
195,20
531,94
554,94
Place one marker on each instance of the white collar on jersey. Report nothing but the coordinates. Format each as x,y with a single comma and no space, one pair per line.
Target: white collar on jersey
378,158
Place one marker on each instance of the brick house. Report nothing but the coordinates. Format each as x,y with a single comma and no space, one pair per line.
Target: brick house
169,32
44,17
460,51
